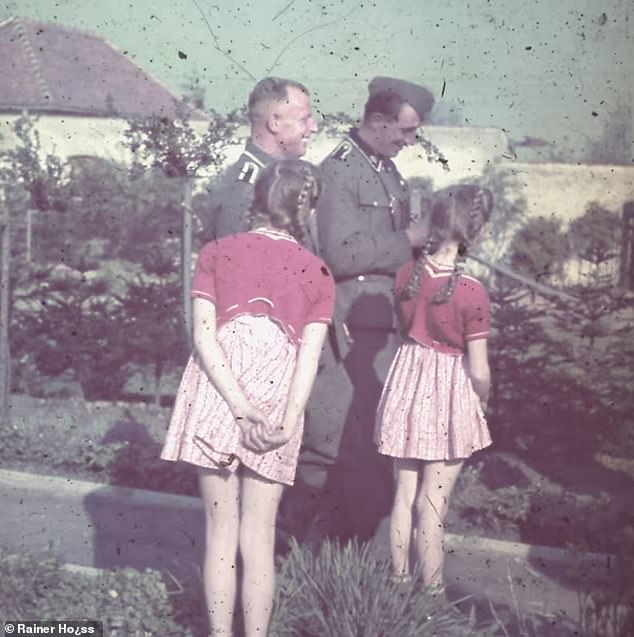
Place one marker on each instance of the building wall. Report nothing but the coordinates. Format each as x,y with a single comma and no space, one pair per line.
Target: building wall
554,189
66,136
564,190
69,135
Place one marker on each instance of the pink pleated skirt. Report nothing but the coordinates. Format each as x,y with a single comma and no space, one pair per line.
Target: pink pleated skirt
202,430
428,409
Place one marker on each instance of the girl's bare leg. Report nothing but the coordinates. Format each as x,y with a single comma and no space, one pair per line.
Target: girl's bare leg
432,503
406,477
220,491
260,499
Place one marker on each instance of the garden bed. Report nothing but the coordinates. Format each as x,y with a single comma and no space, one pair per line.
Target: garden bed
316,594
498,495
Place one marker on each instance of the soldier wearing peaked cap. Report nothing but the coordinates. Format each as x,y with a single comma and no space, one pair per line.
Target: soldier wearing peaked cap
364,233
281,125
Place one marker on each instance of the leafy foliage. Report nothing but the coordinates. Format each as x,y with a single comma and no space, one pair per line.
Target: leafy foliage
25,166
105,280
596,236
110,216
101,442
35,586
557,363
150,315
174,146
539,249
343,591
62,322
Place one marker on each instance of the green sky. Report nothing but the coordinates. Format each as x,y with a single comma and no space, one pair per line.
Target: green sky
541,68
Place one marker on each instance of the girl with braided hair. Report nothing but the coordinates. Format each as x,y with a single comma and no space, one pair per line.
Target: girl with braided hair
261,305
431,414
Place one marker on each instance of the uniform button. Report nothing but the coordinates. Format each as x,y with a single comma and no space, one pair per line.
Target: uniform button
361,278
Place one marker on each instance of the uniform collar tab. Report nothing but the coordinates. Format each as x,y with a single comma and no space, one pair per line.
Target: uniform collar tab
257,154
378,162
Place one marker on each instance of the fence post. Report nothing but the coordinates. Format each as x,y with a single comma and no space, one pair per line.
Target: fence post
186,257
5,352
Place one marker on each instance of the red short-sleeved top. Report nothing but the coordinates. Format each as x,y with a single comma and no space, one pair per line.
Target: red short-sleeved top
265,275
446,327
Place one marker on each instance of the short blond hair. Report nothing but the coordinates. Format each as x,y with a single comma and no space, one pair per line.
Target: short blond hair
269,90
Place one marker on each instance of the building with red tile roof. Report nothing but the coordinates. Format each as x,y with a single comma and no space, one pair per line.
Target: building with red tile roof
81,89
50,68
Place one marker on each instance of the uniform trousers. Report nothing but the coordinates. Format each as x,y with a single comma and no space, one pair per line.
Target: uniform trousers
343,485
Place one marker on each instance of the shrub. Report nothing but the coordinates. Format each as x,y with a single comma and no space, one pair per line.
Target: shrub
36,586
343,591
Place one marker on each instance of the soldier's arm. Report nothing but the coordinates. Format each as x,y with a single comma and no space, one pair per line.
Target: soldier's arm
232,211
344,237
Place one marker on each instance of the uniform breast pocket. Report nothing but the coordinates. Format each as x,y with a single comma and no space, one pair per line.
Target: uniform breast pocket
378,211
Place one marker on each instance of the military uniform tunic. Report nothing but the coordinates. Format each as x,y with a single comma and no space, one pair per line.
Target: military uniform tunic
234,196
362,216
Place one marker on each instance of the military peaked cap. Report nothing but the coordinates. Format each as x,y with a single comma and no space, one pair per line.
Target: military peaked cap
417,96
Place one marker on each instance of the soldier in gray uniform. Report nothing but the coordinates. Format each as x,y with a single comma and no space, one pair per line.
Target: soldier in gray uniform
365,236
281,125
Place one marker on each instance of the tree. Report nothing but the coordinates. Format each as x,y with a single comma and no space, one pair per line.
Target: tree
149,320
26,166
67,323
539,249
614,145
100,262
23,167
561,360
174,147
595,239
596,236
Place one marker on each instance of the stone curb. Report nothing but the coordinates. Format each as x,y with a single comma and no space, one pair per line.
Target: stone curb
56,486
90,571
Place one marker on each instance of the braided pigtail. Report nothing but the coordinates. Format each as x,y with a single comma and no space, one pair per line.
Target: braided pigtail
445,292
263,206
305,201
413,283
477,215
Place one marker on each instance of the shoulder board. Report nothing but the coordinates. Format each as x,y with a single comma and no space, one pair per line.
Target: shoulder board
248,172
342,151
